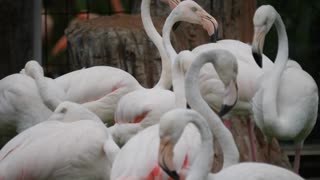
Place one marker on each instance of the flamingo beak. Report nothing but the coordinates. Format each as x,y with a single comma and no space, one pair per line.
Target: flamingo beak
165,158
210,24
257,45
230,98
214,37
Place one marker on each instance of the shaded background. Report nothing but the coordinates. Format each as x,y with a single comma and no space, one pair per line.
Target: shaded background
300,17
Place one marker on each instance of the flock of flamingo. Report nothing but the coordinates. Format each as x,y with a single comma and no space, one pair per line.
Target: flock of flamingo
62,123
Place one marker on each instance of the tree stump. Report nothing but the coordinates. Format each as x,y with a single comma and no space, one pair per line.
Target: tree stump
120,41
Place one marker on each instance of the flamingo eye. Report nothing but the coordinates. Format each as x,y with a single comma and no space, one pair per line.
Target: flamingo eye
63,110
194,9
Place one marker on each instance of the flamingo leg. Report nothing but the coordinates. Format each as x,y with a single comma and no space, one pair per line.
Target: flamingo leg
296,164
269,152
251,138
117,6
227,123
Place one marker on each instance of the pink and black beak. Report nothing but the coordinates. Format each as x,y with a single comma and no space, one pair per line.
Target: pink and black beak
214,37
257,45
165,158
210,24
230,98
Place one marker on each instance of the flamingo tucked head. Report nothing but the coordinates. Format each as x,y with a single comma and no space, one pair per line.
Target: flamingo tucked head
70,112
226,67
171,127
191,12
263,19
169,136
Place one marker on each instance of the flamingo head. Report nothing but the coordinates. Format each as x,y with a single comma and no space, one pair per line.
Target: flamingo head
227,68
170,130
263,20
69,112
165,157
191,12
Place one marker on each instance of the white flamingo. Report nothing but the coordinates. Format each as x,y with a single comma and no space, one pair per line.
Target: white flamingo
286,103
172,125
20,104
72,144
212,89
88,87
144,145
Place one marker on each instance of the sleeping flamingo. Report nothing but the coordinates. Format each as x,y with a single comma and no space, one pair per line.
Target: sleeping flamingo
20,104
285,105
77,87
72,144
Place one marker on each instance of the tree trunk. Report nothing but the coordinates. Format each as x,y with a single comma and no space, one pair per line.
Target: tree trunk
120,41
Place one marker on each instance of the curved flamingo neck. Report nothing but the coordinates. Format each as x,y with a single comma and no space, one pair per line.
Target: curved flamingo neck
48,98
196,102
170,21
178,83
283,50
201,166
270,102
203,161
165,77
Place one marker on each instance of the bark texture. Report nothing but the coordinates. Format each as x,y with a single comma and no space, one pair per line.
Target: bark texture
120,41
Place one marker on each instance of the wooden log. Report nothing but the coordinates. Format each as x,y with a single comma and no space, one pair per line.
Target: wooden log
121,41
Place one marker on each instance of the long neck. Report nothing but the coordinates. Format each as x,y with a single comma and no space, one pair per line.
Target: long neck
283,50
170,21
165,77
196,102
178,83
270,95
48,98
203,162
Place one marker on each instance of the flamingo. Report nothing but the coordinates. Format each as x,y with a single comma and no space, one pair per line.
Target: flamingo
285,104
145,105
212,89
144,145
78,86
172,125
20,104
72,144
